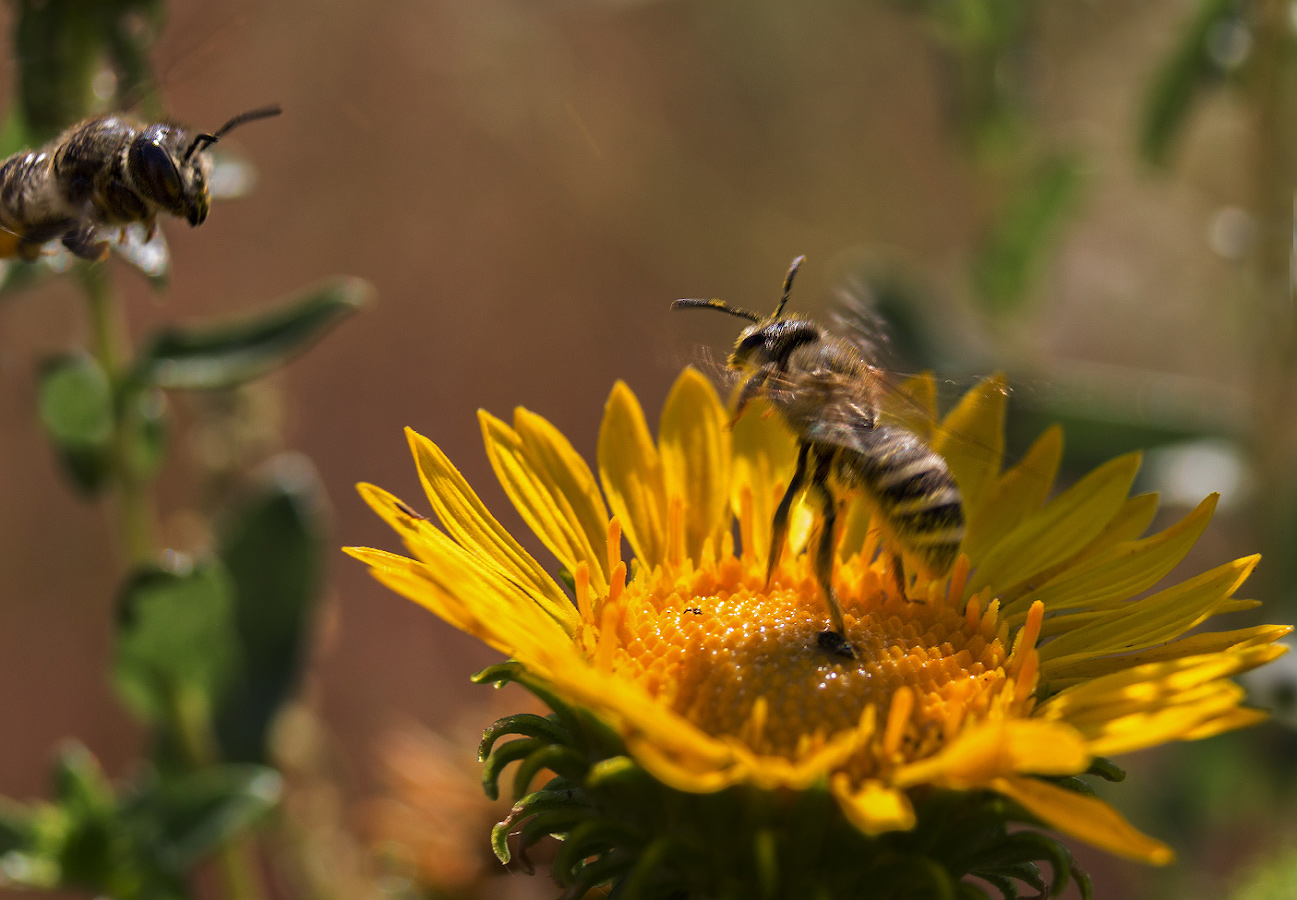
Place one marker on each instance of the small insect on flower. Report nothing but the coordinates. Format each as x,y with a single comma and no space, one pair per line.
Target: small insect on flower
828,394
107,172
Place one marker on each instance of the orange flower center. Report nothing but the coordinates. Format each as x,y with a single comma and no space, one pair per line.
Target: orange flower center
740,661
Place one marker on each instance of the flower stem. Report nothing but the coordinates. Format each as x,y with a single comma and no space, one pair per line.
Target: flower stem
136,520
190,715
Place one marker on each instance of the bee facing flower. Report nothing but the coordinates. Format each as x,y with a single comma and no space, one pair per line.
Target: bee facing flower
686,674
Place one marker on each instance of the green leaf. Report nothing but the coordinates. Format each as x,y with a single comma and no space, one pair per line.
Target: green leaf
274,545
1179,82
204,357
188,817
175,638
74,400
1027,229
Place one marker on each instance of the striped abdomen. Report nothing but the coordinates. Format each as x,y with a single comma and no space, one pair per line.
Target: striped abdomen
910,486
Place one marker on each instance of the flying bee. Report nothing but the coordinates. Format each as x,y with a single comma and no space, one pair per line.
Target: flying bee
829,395
104,173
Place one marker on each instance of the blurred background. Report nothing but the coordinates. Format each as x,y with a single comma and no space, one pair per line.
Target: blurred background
1093,196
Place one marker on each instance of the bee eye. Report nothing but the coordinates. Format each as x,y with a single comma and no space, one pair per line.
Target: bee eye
155,172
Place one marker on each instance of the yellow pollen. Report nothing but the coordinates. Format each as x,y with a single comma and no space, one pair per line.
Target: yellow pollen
741,660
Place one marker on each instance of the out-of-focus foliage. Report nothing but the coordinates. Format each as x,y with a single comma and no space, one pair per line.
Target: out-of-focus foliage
274,545
208,648
136,841
1214,40
221,355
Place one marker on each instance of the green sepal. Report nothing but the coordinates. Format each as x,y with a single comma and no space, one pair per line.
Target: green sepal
225,354
527,724
501,757
1106,769
559,759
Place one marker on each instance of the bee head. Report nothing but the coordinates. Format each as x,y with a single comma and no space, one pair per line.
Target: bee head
165,176
769,339
771,342
171,170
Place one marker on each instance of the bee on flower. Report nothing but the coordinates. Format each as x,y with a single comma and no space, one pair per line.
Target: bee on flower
701,742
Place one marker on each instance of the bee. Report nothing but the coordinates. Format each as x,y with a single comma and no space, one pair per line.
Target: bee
829,395
106,172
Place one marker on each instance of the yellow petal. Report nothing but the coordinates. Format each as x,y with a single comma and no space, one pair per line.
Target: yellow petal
552,455
1121,571
695,447
971,439
1021,490
764,457
1087,818
467,520
1005,747
542,507
1153,620
1064,526
1150,686
632,476
1061,674
874,807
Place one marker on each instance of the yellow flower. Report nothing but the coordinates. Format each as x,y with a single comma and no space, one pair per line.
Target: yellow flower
1040,653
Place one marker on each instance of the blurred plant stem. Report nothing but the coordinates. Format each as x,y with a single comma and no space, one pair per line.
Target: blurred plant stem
1273,101
135,515
236,859
136,522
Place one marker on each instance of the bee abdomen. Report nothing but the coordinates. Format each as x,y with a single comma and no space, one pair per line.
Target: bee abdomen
912,489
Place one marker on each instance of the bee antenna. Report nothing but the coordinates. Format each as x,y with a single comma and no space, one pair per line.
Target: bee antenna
716,304
788,285
204,140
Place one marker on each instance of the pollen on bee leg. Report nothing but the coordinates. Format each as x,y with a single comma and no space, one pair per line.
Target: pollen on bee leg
898,719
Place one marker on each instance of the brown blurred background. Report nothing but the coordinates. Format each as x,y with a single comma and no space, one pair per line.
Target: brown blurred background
528,185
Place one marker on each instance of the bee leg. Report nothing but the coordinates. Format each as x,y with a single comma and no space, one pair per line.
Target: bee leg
84,242
835,640
779,527
898,576
751,388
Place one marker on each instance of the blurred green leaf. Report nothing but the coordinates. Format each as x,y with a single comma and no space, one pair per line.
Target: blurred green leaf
75,402
136,842
222,355
274,547
61,45
191,815
1179,81
175,637
1025,231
